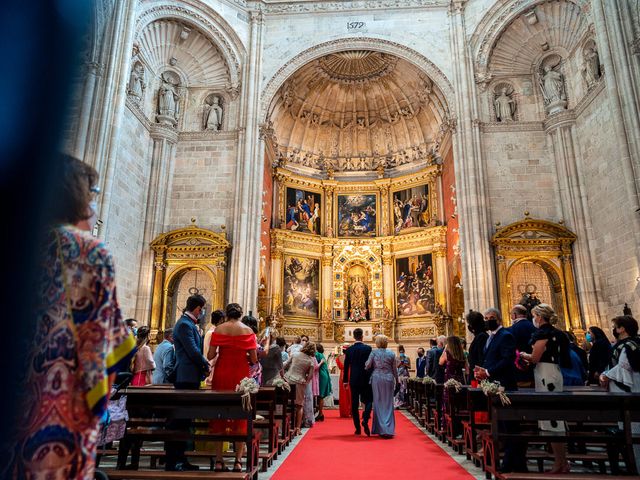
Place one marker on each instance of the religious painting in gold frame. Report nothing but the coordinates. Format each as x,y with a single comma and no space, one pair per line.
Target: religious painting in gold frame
415,286
301,286
356,214
303,210
411,208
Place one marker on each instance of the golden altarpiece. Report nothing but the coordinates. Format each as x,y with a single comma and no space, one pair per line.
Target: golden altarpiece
368,254
535,265
177,254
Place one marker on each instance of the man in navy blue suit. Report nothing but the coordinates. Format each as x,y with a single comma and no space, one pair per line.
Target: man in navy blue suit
522,328
191,369
356,377
499,366
421,363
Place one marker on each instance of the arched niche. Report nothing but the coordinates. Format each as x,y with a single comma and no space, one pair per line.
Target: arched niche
542,250
189,280
176,254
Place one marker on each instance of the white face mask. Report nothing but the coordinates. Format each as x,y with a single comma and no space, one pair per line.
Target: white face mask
93,219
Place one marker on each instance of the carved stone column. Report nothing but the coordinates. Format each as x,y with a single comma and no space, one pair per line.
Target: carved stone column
561,131
245,256
93,71
154,221
471,183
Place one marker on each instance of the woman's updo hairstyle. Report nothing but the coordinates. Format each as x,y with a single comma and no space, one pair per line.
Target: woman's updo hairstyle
546,312
234,311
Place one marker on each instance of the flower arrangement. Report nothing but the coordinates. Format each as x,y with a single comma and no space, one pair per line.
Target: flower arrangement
427,380
453,383
494,388
280,382
247,386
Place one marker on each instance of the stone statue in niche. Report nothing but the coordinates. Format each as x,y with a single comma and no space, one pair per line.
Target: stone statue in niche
168,99
591,69
213,114
552,84
136,86
504,105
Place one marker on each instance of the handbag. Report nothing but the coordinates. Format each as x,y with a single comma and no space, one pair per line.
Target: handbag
521,364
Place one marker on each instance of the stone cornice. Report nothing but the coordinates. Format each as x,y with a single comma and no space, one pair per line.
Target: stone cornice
158,131
561,119
319,6
590,96
491,127
207,135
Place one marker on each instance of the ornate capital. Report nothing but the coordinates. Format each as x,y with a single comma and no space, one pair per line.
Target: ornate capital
163,132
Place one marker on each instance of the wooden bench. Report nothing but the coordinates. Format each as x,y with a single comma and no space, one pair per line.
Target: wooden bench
149,407
589,414
456,411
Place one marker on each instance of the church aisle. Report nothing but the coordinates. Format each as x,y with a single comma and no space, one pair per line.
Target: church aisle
331,450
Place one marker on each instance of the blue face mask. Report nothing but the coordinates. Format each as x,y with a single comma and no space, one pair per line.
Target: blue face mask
135,331
589,337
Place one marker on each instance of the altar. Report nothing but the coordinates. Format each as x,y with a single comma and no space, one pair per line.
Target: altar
347,255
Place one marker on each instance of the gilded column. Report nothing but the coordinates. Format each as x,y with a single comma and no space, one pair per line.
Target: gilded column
159,271
441,277
384,188
573,318
329,190
245,255
471,182
327,279
388,280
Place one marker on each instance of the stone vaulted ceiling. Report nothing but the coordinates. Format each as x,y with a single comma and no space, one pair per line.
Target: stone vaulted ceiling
355,110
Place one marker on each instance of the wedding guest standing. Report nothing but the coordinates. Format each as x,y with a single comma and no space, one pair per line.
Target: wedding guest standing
454,362
233,345
383,380
356,379
345,393
272,360
550,352
324,380
404,364
76,305
599,353
475,324
143,363
299,370
164,358
421,363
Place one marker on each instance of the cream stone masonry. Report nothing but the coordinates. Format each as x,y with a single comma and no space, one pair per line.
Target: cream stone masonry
538,100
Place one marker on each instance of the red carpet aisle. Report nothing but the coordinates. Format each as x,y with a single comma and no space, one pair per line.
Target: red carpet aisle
330,450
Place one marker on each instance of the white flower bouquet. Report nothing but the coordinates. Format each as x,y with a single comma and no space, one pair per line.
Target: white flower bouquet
427,380
453,383
280,382
247,386
494,388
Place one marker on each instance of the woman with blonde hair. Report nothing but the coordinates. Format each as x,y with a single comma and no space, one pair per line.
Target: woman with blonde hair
383,381
550,352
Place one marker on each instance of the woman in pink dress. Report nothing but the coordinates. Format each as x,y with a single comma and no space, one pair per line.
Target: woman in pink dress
143,364
233,349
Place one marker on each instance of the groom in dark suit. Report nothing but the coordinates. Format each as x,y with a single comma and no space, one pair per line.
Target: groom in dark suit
356,378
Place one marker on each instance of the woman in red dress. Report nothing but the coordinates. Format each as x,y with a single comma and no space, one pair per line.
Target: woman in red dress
233,346
345,393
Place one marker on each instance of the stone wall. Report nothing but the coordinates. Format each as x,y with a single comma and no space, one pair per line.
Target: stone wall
204,183
124,227
521,176
608,207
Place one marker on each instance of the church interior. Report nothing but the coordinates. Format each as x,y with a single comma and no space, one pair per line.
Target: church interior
387,165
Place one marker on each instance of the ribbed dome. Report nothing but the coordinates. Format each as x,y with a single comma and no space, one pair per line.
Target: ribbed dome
549,25
355,110
194,53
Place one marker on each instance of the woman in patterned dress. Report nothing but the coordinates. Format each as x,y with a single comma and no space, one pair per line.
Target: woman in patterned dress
80,341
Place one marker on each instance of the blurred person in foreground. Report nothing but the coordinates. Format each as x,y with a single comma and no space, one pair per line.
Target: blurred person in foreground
80,342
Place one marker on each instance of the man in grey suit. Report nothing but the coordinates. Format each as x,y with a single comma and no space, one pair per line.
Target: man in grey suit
191,369
165,358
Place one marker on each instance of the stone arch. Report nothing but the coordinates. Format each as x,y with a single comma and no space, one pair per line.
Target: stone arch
209,22
361,43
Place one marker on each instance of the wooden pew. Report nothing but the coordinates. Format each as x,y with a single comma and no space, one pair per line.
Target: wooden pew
285,415
149,408
456,411
585,409
477,402
266,407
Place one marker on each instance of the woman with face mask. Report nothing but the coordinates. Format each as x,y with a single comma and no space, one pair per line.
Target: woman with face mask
599,353
550,352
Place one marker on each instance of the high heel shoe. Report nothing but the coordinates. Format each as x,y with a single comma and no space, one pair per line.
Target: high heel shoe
320,418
